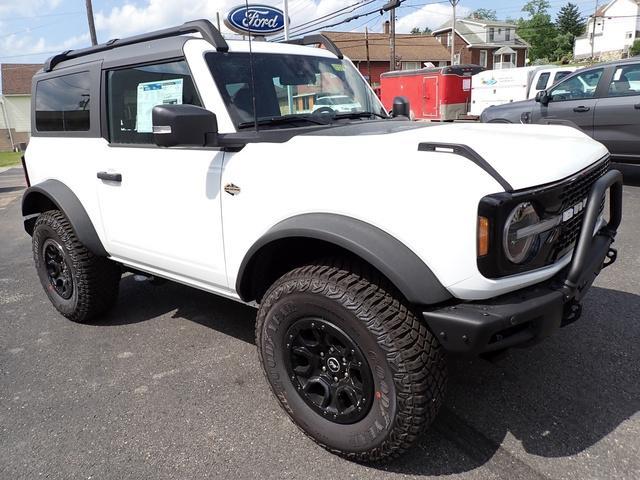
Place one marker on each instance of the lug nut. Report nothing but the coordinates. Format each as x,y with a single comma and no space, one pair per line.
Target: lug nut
335,379
324,369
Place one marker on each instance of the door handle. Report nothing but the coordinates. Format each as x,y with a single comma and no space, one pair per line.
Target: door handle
581,109
111,177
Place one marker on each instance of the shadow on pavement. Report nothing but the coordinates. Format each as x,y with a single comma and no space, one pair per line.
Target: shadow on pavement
557,398
142,301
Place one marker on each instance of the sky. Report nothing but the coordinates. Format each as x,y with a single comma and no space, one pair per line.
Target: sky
32,30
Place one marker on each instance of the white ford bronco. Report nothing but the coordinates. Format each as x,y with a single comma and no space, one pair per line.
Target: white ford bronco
372,245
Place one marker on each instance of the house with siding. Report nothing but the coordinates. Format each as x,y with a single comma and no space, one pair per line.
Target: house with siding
412,51
492,45
610,32
15,103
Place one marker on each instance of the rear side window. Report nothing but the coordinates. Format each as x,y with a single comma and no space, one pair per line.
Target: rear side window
63,104
625,81
133,92
542,81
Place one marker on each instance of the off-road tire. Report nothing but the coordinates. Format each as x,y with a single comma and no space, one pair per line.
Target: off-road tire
95,280
406,360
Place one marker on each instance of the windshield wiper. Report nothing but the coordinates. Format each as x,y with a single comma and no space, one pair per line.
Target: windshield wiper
358,115
283,119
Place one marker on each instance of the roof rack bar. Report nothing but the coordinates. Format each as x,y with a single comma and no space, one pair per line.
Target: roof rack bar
315,39
210,33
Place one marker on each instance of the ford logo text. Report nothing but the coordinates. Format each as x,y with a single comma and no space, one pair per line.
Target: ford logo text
255,20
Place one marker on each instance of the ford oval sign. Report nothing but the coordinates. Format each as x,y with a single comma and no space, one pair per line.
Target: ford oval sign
255,20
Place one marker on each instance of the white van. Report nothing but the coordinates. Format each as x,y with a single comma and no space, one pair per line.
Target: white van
497,87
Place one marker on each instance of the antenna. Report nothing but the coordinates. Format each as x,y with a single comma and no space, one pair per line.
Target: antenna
253,78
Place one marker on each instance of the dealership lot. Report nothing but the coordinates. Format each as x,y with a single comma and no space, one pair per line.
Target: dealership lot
168,385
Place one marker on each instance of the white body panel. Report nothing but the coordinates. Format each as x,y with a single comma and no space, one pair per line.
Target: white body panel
171,217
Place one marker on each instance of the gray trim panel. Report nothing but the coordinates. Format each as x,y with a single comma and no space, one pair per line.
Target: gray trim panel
392,258
67,202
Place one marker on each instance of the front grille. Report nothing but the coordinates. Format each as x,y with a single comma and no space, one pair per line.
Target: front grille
574,192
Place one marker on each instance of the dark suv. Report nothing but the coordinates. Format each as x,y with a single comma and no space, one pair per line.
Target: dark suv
603,101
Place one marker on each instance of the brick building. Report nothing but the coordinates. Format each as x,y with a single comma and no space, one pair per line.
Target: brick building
412,51
489,44
15,103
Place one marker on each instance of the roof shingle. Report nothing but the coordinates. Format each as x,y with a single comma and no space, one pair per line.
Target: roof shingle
16,77
409,48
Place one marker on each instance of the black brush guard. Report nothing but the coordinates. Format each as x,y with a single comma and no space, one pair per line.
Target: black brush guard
526,316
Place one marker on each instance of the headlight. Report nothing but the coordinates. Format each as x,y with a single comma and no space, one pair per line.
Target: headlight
517,247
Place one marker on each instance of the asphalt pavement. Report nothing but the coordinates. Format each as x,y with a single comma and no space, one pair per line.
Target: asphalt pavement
168,385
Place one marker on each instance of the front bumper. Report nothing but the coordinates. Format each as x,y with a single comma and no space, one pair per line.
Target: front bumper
529,315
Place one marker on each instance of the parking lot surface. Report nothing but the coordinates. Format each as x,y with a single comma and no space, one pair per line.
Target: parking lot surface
168,385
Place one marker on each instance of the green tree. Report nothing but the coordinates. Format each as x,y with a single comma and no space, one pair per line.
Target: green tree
484,14
538,30
417,31
635,48
569,20
569,25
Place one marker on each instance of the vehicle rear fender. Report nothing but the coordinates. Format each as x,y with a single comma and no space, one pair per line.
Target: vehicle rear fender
55,195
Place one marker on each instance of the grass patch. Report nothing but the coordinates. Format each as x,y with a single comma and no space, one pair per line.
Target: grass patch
9,159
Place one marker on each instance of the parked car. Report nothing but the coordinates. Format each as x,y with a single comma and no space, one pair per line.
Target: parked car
497,87
371,245
603,101
337,103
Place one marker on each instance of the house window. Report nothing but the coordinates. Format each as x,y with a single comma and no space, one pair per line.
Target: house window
499,31
492,34
483,58
410,66
507,34
629,35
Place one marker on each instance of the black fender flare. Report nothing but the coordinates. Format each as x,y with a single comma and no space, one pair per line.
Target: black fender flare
410,275
63,198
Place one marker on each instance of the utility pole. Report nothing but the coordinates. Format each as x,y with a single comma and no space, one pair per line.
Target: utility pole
454,3
390,7
593,31
285,10
92,26
286,19
366,43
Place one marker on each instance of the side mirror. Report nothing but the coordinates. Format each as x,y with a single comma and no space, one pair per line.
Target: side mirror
185,125
401,107
542,97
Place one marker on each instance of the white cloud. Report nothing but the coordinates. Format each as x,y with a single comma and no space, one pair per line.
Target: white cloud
131,18
26,7
431,16
21,48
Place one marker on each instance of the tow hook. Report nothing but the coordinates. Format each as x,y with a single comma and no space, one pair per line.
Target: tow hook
572,312
612,255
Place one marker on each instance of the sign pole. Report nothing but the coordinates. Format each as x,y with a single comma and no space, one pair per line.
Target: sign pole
286,38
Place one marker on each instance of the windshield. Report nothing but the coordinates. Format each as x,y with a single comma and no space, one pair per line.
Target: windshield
291,85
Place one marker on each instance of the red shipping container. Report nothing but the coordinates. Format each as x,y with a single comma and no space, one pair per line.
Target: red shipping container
434,93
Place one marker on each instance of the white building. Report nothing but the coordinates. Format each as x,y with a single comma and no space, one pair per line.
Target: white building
617,25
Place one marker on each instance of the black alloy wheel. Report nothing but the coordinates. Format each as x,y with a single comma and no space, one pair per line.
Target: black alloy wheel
58,269
329,371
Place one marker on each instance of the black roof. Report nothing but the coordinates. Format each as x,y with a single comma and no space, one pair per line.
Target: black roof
147,46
